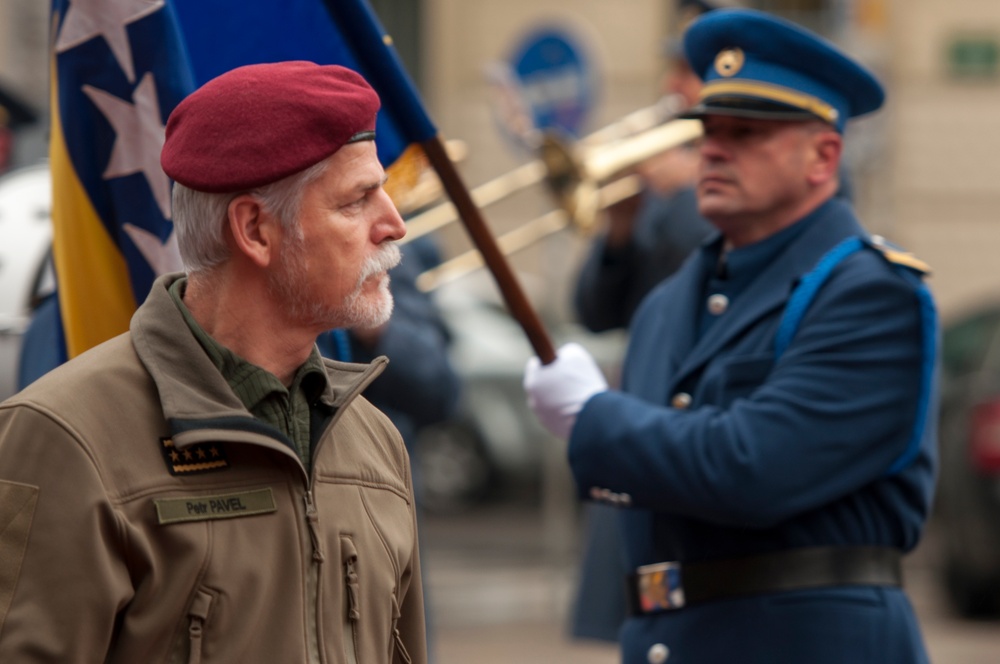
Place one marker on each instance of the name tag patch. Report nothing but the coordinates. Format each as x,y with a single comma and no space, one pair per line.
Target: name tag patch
218,506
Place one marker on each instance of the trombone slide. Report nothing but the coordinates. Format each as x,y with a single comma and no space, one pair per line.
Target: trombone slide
604,162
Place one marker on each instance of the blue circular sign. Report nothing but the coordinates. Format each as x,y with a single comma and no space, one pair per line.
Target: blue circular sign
555,78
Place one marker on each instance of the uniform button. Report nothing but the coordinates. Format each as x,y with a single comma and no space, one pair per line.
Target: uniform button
595,493
717,304
878,240
606,495
625,499
658,654
681,400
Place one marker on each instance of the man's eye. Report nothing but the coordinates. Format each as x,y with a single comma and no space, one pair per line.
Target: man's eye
356,204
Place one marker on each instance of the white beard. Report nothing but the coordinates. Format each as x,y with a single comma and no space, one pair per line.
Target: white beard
357,310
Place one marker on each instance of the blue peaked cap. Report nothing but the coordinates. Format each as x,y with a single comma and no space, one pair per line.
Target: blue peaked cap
757,65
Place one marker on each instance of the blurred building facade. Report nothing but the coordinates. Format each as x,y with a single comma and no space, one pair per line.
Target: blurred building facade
945,138
24,71
926,173
924,167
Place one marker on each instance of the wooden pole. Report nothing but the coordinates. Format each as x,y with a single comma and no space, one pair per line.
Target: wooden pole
472,219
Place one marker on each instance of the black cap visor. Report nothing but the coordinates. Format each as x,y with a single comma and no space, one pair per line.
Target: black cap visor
745,107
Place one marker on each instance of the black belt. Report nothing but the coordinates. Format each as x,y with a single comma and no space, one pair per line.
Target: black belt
667,586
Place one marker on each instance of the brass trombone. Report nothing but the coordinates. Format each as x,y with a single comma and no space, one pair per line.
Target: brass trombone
585,178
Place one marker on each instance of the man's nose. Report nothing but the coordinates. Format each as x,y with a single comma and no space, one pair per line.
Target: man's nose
390,225
711,149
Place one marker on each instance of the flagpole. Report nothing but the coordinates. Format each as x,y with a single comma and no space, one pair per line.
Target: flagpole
472,219
373,49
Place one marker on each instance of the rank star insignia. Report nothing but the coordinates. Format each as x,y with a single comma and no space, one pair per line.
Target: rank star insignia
729,62
193,459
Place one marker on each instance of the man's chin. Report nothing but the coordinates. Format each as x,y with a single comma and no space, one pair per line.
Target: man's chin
369,309
711,205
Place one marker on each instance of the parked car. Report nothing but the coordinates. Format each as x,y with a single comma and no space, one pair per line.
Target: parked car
25,273
967,511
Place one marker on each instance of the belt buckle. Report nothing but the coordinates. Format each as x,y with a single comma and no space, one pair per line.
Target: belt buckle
660,587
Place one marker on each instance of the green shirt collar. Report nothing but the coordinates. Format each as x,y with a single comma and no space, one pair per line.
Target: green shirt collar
260,391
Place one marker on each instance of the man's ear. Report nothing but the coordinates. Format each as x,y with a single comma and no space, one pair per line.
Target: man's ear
828,147
254,231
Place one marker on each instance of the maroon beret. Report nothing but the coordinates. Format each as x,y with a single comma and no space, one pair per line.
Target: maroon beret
257,124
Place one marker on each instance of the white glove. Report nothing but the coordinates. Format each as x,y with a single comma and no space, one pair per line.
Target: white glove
557,391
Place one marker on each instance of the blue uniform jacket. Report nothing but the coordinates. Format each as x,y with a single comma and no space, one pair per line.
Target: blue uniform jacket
771,454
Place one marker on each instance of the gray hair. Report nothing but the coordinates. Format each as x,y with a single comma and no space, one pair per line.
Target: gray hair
199,217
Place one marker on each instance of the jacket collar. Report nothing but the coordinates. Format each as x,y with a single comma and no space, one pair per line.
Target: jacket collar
769,291
191,388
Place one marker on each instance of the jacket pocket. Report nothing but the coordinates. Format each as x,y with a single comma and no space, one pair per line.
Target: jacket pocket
352,594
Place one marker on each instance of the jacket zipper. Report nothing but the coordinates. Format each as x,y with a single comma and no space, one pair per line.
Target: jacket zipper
197,615
352,590
396,636
313,577
312,514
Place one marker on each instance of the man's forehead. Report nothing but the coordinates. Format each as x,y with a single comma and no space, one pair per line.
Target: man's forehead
355,168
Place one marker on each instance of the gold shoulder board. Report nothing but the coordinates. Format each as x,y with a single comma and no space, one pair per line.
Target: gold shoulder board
899,257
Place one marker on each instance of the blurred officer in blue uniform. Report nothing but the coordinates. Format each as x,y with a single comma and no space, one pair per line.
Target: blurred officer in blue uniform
772,449
649,235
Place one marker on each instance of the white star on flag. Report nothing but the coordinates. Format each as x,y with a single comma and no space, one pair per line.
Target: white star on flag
139,137
163,257
86,19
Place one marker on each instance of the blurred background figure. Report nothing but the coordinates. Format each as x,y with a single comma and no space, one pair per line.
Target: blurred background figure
648,235
647,238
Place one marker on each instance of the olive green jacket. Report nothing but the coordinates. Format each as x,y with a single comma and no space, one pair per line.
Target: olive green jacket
146,517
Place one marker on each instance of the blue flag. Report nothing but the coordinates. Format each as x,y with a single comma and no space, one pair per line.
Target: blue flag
224,35
118,68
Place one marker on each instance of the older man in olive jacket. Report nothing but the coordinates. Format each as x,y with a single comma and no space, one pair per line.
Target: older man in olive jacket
206,486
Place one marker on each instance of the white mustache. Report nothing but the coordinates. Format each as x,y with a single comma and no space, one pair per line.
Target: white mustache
387,258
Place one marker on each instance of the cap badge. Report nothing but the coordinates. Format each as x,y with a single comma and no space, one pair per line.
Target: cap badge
729,61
